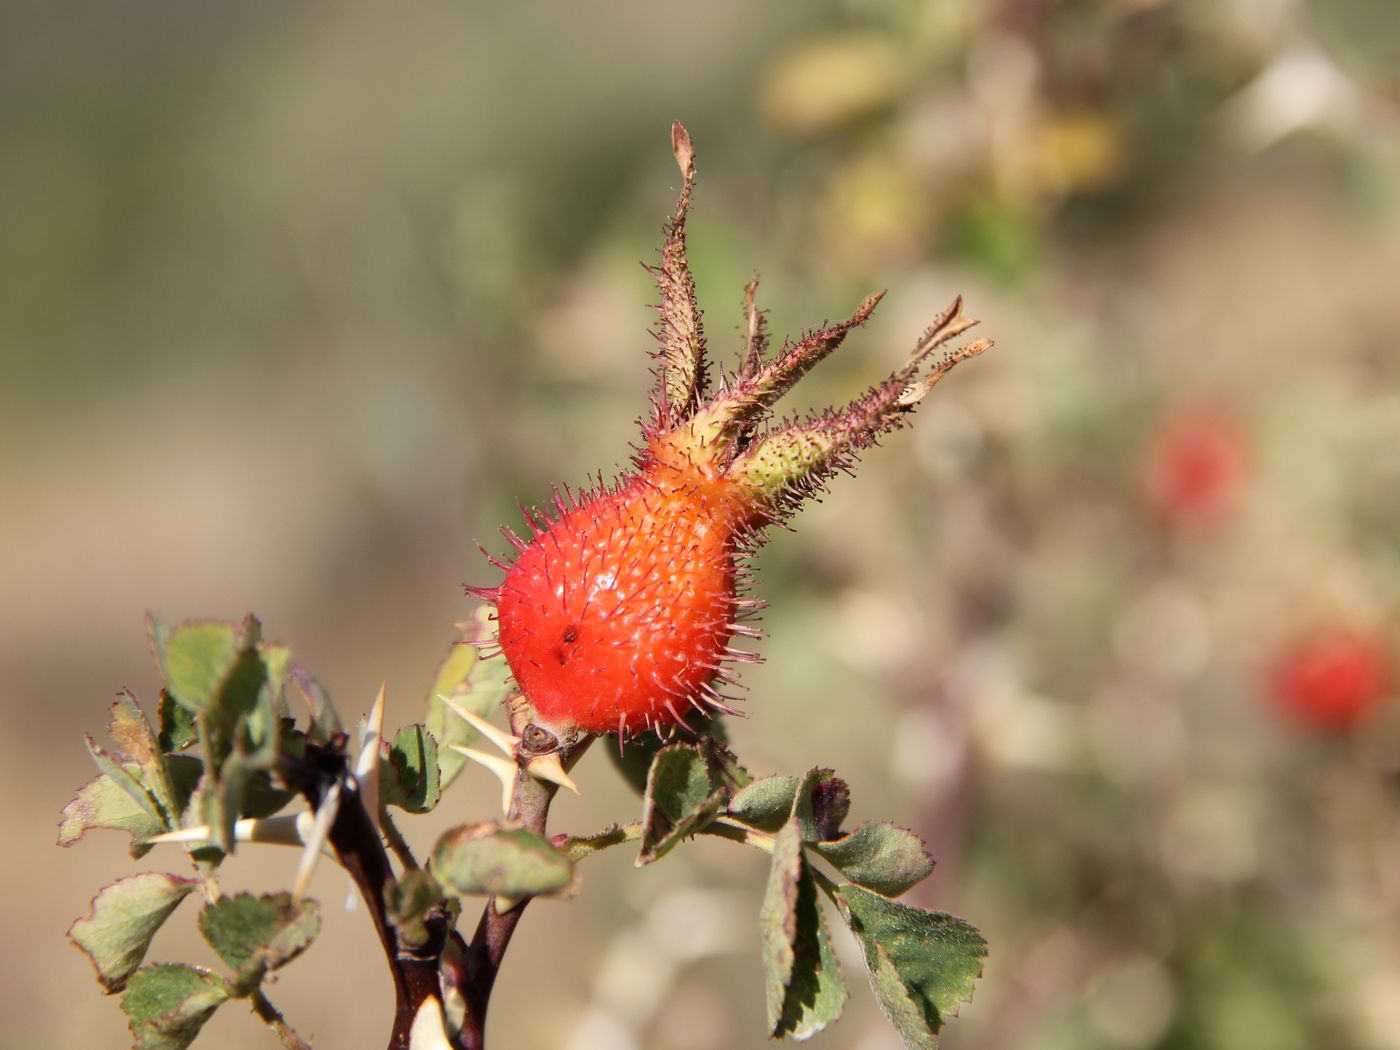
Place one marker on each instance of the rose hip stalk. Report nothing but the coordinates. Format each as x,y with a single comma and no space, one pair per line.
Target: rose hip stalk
617,613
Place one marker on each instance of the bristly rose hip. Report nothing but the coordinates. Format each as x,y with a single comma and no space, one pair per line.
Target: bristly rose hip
619,612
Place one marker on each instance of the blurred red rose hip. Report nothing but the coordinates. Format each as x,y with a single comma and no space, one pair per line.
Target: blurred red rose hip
1330,681
1196,466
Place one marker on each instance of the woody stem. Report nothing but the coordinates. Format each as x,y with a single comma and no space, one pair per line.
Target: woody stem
529,805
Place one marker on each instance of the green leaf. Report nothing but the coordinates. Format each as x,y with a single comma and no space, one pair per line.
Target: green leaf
680,800
880,856
576,847
254,935
195,658
822,803
804,988
124,916
408,902
177,729
922,964
167,1004
765,804
489,857
410,779
476,684
104,803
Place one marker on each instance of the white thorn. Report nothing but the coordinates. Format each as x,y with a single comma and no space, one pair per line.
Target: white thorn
551,768
286,830
505,904
367,767
507,743
316,839
503,768
428,1031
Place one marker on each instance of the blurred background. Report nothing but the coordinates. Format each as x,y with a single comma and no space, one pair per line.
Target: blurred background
295,301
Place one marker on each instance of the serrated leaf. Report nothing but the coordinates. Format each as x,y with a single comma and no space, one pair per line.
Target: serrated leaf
576,847
680,800
478,685
117,930
411,779
254,935
880,856
489,857
802,979
167,1004
922,964
177,729
823,800
765,804
105,804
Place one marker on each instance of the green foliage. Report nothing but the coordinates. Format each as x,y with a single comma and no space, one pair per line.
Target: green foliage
409,901
494,858
225,740
880,857
681,798
117,930
765,804
106,802
412,780
803,982
255,935
167,1004
922,964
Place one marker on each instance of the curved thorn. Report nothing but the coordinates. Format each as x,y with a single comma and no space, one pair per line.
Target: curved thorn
428,1031
549,767
505,904
507,743
502,768
367,766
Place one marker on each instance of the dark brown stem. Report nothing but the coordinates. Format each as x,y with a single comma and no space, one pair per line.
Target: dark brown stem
360,850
